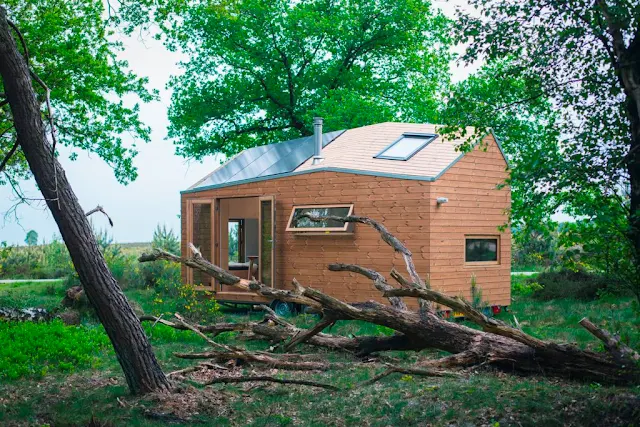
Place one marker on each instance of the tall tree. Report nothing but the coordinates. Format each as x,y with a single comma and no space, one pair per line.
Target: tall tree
72,48
32,238
526,125
585,55
132,348
259,70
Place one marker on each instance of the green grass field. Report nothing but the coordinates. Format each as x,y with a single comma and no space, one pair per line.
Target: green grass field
95,388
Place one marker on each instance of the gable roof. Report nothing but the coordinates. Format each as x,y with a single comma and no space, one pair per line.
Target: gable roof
351,151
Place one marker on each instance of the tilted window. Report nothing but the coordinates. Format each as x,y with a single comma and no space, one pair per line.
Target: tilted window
405,147
482,249
299,222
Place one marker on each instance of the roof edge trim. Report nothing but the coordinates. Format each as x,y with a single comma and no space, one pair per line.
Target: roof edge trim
475,144
309,171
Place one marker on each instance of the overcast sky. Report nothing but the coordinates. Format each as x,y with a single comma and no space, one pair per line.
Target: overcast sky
154,197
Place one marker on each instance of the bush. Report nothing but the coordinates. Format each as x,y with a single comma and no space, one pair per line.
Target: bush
578,285
33,349
160,272
520,285
172,296
165,239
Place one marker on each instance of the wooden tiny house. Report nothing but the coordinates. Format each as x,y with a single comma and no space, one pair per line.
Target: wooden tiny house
447,207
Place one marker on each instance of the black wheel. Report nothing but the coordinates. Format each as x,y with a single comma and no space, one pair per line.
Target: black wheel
283,309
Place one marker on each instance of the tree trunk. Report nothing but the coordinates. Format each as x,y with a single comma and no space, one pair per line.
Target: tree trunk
133,350
498,344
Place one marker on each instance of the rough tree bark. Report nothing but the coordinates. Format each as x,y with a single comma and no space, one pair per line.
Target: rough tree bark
497,344
627,67
133,350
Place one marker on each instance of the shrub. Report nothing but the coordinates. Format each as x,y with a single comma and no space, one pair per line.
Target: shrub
33,349
522,286
165,239
56,261
579,285
172,296
155,272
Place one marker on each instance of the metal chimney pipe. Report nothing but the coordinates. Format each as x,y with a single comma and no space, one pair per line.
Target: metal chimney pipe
317,136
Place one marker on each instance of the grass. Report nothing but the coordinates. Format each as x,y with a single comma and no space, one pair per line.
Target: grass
32,294
481,397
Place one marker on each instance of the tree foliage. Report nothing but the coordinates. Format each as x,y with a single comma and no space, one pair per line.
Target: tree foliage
32,238
583,54
73,49
259,70
527,129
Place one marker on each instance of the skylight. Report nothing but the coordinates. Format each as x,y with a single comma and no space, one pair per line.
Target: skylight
405,147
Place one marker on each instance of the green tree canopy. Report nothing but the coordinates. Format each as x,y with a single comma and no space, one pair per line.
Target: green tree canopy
259,70
584,56
72,49
527,129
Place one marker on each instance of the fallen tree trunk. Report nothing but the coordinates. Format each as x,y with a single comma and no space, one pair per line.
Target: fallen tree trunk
498,344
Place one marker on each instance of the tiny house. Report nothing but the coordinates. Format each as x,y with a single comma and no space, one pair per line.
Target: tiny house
448,207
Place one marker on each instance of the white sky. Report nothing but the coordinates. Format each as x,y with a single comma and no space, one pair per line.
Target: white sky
154,197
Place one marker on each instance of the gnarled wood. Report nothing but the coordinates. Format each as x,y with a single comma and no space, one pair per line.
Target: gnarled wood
613,345
498,344
392,241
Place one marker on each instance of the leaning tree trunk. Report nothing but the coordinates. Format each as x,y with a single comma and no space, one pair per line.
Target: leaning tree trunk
133,350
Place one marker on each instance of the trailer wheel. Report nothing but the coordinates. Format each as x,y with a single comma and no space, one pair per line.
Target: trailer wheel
283,309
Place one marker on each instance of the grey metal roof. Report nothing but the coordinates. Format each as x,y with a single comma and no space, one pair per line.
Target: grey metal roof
266,160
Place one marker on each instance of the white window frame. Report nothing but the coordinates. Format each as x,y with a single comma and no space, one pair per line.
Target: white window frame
428,139
342,229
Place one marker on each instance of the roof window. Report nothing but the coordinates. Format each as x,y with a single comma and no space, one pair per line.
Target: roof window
406,146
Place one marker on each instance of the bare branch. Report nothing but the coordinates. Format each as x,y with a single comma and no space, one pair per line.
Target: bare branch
410,371
9,155
309,333
265,378
99,209
387,237
488,324
611,343
379,281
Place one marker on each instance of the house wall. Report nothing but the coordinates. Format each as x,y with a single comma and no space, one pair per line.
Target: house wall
408,209
477,207
402,205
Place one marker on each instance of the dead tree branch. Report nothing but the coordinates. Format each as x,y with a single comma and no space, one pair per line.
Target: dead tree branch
411,371
266,378
389,239
99,209
613,345
498,344
10,154
379,282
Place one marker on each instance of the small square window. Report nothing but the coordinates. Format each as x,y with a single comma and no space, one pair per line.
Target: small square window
482,249
405,147
297,222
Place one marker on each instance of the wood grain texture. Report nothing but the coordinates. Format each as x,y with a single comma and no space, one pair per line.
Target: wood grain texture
407,208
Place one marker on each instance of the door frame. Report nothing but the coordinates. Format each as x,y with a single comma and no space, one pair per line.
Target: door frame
271,199
214,244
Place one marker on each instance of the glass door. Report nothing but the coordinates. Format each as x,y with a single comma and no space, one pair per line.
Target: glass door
200,221
266,262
